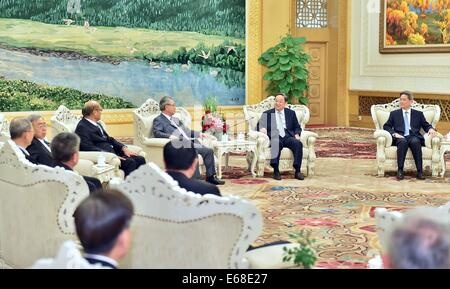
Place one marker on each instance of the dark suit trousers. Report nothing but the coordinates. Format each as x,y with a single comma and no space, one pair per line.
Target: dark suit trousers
277,145
93,184
415,144
130,164
208,159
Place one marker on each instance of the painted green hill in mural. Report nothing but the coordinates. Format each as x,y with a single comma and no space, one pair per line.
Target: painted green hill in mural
212,17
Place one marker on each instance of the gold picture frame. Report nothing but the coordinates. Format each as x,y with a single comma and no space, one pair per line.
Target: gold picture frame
414,26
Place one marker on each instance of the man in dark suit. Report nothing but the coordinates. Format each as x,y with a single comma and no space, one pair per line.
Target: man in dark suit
181,163
65,153
167,126
39,148
21,132
404,125
102,223
282,127
94,138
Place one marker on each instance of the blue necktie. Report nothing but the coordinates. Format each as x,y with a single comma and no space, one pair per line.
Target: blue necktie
406,120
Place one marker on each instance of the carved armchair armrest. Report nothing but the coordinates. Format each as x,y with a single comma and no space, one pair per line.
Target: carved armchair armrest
155,142
308,138
136,149
208,140
260,138
85,168
384,138
433,143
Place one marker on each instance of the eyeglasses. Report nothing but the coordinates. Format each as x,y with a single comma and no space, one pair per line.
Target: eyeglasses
171,104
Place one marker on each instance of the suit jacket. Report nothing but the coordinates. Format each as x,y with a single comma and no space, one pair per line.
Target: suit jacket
93,183
194,185
40,154
91,139
396,124
163,128
269,122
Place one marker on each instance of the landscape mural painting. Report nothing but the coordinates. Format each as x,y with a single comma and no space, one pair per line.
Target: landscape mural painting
415,26
121,52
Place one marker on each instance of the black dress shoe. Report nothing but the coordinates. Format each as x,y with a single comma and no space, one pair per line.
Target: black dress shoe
214,180
277,176
400,175
299,176
420,176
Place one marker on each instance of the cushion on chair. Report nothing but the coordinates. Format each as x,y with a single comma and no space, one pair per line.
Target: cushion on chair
287,154
391,153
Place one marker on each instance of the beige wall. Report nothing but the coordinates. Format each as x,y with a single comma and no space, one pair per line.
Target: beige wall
370,70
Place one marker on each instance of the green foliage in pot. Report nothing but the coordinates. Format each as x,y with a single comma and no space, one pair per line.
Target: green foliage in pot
287,68
304,255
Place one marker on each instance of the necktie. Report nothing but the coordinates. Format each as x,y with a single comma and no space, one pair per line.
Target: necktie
101,130
280,124
406,120
172,120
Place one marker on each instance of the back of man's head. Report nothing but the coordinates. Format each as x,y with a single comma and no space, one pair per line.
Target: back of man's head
420,244
18,127
179,155
100,219
64,146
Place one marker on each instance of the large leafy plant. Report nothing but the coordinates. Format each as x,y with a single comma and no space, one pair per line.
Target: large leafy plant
287,71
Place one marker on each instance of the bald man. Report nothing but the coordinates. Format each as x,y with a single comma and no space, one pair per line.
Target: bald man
95,138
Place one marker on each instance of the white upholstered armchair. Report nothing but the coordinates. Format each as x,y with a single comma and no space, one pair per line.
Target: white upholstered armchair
143,131
65,121
253,114
387,153
36,207
173,228
4,129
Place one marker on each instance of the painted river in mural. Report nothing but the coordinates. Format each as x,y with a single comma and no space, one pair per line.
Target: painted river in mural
134,81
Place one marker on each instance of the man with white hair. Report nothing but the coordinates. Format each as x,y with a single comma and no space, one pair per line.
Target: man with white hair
22,135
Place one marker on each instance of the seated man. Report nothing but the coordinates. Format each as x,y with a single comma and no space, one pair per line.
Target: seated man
404,125
65,153
39,148
167,126
181,164
419,244
94,138
282,127
102,223
22,135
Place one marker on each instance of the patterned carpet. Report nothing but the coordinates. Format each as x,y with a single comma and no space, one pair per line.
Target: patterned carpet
355,143
342,222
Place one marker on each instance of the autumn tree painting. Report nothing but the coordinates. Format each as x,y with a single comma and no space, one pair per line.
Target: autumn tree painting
416,23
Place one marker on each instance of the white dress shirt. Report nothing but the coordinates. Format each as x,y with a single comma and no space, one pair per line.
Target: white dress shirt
44,144
96,124
178,128
20,151
102,258
409,117
281,122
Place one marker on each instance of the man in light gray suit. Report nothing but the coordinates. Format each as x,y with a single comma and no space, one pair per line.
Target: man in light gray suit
167,126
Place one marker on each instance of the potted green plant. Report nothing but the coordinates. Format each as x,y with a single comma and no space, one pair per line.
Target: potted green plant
304,255
287,68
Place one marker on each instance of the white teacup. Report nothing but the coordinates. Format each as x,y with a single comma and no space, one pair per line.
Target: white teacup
101,160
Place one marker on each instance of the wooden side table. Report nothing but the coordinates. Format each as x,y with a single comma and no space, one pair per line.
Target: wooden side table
237,146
